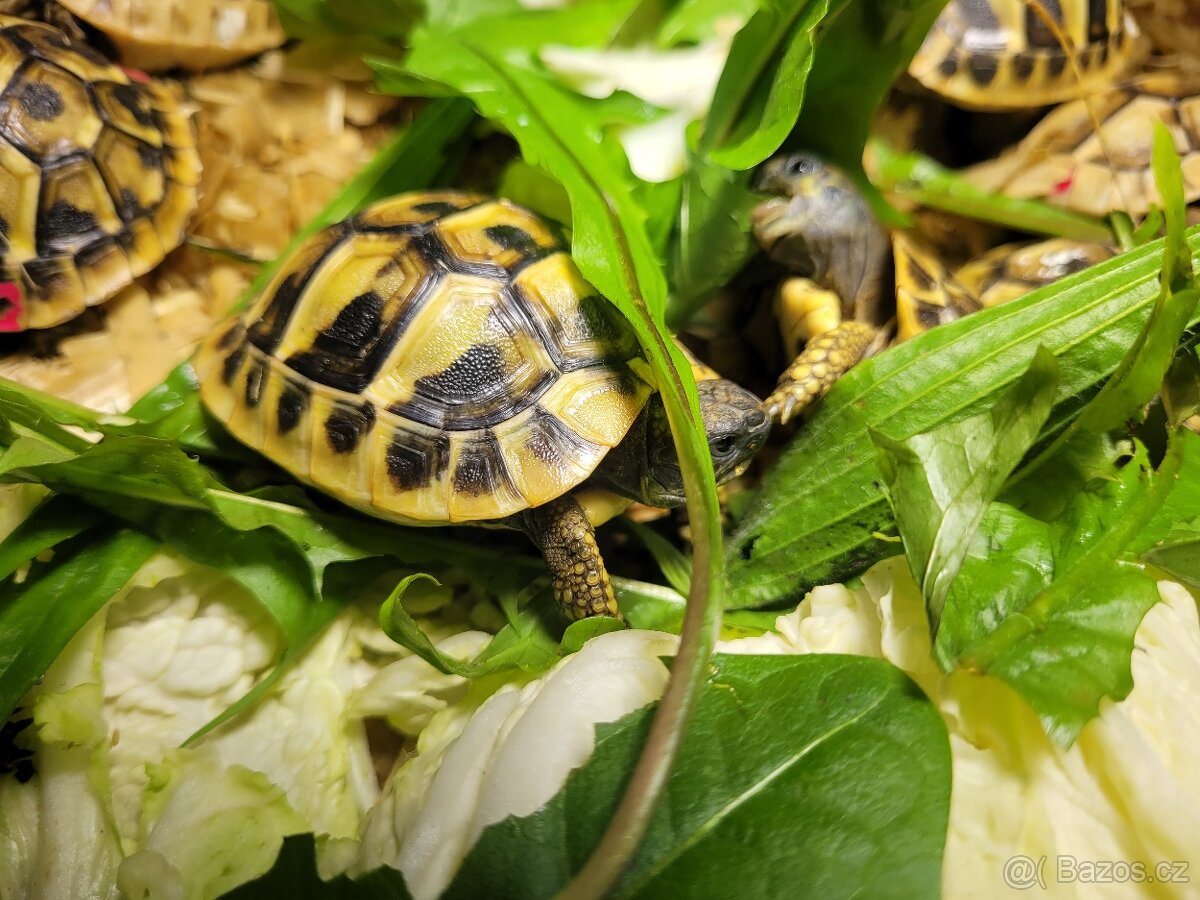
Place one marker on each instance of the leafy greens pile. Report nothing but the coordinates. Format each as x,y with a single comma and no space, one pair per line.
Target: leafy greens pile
999,449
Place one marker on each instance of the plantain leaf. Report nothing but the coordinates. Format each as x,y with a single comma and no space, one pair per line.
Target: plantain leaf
861,52
923,181
794,766
940,482
821,516
763,84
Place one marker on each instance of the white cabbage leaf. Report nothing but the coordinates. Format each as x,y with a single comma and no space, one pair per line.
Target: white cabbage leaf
115,799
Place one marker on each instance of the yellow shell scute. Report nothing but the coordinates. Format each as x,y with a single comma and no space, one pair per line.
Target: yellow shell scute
496,233
19,204
596,406
350,270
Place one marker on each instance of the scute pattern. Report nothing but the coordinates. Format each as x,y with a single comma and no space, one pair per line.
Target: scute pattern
190,34
1011,271
1002,54
437,358
1067,161
97,175
927,295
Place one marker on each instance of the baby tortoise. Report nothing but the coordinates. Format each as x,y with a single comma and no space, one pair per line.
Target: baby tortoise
839,300
98,176
439,359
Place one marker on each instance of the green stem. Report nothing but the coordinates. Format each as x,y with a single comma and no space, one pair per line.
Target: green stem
921,179
702,620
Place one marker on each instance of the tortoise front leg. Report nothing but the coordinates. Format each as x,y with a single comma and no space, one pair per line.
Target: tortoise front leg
831,349
568,542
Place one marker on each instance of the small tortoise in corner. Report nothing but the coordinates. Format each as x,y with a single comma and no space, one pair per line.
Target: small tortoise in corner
98,176
439,359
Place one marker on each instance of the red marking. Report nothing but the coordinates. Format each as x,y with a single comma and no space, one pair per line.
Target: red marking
11,303
135,74
1063,186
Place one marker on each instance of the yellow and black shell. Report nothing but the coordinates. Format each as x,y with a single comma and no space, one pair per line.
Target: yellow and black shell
188,34
1018,54
927,295
1013,270
437,358
98,176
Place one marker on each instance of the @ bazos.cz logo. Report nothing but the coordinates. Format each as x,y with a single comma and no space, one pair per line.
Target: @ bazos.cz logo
1025,872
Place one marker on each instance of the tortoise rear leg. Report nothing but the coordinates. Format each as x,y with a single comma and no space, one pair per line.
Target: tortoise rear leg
831,347
568,542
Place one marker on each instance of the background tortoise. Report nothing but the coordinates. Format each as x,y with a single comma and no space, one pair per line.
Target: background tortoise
98,176
439,359
166,34
1093,155
188,34
1017,54
839,300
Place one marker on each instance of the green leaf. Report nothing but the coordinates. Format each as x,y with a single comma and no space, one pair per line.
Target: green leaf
829,774
532,188
320,18
172,411
712,240
1179,556
692,21
1051,592
295,875
859,55
762,86
940,482
925,182
1051,607
55,520
39,616
1168,177
404,630
818,521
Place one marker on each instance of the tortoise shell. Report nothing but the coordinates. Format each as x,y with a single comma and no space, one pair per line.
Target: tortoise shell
927,294
98,176
1067,161
1017,54
437,358
1172,25
1013,270
189,34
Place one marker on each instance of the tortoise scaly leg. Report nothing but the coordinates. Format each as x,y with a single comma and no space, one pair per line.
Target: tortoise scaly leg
832,347
568,542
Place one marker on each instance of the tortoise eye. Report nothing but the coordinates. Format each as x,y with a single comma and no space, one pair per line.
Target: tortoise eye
725,445
800,165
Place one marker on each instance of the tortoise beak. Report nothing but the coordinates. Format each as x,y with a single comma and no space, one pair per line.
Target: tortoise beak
767,221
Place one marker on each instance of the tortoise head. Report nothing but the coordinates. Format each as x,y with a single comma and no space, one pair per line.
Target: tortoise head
819,225
646,467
